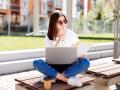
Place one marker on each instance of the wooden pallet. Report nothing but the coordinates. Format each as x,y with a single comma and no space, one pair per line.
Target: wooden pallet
105,70
106,73
34,83
117,60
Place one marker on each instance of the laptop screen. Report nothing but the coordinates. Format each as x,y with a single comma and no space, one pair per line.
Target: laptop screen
61,55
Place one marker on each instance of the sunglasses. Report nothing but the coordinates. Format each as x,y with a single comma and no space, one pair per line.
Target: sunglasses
62,22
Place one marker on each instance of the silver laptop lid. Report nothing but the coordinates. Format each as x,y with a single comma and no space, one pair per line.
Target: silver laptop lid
61,55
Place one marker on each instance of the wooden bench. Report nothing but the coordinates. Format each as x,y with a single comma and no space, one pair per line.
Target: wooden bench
106,74
34,83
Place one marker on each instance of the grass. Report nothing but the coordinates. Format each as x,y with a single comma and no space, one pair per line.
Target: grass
18,43
94,41
106,35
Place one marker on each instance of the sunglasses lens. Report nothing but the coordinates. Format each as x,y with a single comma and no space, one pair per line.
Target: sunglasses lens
65,21
62,22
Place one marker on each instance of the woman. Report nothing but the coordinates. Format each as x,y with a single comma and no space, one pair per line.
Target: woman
58,36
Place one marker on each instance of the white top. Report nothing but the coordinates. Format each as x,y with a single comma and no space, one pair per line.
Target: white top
68,40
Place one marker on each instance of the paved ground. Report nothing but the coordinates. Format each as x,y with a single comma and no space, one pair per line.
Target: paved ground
7,81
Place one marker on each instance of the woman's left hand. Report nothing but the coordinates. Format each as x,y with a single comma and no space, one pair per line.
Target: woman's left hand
81,56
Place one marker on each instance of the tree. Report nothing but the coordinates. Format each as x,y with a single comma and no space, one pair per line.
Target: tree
101,13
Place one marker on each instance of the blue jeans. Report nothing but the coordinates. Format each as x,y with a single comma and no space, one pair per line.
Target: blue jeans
79,66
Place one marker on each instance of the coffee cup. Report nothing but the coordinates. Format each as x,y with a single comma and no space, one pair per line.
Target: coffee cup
47,83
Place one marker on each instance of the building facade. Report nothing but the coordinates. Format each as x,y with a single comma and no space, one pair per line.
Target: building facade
20,11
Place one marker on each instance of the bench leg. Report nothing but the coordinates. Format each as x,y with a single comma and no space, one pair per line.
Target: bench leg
101,87
118,86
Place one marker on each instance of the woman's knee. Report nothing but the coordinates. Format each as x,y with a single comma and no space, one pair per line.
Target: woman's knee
37,63
85,62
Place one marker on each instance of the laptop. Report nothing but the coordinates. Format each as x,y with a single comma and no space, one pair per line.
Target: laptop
61,55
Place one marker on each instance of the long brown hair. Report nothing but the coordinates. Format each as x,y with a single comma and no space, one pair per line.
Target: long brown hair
52,29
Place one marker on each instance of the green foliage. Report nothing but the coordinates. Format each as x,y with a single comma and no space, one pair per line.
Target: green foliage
102,12
78,24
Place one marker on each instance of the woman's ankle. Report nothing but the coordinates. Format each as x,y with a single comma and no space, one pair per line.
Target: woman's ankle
61,77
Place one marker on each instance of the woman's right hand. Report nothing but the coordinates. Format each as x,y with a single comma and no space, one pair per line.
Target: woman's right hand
81,56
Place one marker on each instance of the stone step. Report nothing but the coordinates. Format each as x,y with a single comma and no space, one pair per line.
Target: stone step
13,56
99,54
101,47
21,54
37,53
16,66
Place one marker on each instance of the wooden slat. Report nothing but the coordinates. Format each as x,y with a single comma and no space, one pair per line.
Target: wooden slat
32,80
100,66
103,69
22,83
98,63
107,69
61,86
55,86
111,73
35,83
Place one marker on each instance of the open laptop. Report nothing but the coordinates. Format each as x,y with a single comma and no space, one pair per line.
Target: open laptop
61,55
65,55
